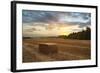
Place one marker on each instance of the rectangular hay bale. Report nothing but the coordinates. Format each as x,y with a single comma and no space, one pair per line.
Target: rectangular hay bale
48,48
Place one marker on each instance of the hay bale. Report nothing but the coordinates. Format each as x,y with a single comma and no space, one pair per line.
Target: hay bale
48,48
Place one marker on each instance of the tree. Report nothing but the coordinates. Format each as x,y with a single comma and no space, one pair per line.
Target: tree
82,35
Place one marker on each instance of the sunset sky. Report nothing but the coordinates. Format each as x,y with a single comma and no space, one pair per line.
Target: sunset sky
50,23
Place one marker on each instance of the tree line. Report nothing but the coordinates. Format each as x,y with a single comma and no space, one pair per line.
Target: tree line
82,35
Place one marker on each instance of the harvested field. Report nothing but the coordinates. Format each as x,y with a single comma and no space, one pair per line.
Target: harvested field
67,49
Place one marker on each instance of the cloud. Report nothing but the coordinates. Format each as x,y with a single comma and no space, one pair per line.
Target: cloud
38,16
51,23
49,17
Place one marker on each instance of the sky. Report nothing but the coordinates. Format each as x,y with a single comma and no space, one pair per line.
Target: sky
53,23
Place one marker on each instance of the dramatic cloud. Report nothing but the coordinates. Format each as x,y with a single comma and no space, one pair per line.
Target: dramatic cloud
38,16
51,23
61,17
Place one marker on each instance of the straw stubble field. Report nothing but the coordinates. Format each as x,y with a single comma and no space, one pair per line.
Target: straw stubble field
68,49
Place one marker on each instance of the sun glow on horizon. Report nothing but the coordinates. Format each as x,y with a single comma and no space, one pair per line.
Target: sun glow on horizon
68,29
49,30
64,32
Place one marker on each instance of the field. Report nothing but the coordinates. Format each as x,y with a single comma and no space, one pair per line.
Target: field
68,49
